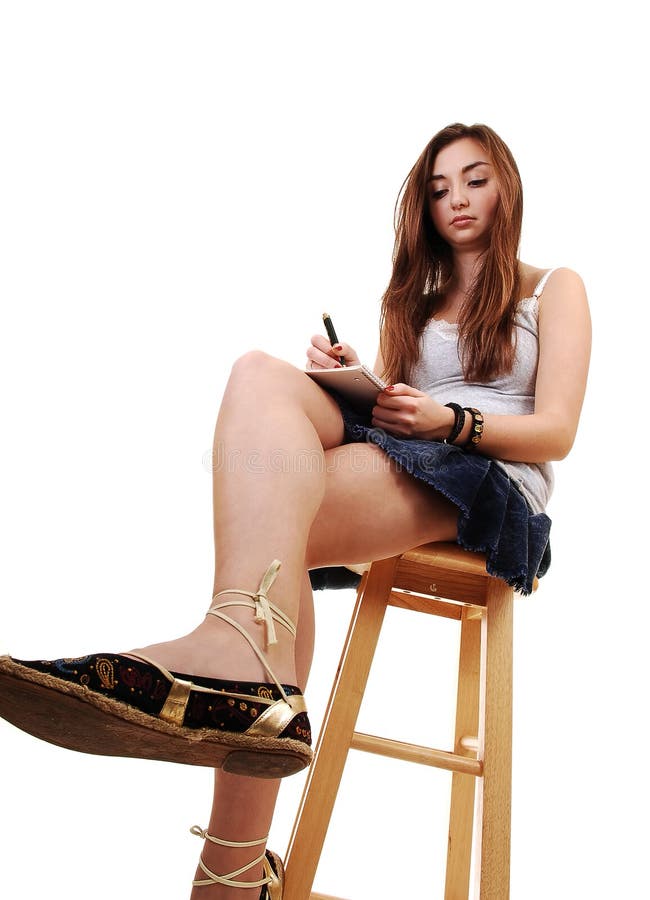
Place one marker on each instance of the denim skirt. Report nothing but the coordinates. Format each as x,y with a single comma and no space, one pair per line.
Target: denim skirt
493,515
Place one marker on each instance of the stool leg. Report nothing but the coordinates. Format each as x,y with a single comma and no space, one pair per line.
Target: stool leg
461,817
495,742
326,770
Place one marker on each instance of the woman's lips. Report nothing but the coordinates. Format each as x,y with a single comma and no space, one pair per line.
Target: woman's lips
459,221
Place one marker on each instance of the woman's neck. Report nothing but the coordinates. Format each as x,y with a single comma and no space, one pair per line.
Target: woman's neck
465,268
466,265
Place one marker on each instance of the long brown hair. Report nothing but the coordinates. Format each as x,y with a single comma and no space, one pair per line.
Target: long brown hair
422,268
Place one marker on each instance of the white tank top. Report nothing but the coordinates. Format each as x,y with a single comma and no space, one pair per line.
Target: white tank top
438,372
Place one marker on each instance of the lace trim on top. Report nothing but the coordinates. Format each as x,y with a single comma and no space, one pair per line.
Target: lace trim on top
447,330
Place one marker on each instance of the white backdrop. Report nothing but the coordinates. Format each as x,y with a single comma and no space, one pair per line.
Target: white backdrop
181,182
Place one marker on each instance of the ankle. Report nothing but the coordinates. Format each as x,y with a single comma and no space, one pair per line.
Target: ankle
222,891
240,863
232,653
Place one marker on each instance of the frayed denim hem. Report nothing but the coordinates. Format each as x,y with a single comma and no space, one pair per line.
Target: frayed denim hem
493,515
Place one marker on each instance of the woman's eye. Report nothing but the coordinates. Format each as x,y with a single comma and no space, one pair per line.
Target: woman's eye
437,195
477,182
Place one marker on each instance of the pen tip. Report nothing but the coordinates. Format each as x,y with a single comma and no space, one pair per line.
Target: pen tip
326,315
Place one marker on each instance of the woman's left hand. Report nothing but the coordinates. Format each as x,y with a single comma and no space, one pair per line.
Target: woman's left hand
402,410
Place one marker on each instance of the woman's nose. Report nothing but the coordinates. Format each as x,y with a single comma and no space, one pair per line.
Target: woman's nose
458,200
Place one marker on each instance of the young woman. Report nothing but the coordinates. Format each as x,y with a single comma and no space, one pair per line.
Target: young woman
487,361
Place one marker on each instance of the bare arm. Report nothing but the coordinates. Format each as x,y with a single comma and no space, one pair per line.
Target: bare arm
564,350
547,434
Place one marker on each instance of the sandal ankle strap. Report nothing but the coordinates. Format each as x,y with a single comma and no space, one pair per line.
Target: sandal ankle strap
265,611
227,880
279,712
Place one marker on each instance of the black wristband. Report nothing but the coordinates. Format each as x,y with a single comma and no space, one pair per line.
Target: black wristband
476,431
459,422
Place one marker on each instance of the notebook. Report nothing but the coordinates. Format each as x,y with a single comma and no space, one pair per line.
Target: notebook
358,384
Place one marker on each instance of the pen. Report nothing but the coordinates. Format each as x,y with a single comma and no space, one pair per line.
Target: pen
329,328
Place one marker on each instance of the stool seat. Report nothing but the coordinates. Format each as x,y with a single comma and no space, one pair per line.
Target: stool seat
444,570
438,579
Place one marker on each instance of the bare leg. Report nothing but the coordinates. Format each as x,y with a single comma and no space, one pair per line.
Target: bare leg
242,808
403,514
285,488
269,480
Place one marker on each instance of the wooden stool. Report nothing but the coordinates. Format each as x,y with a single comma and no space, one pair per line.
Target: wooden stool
443,580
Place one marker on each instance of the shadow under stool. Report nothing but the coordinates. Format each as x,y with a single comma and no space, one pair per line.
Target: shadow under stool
440,579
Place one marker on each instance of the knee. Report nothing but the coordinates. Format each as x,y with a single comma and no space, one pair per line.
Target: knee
261,369
252,361
254,366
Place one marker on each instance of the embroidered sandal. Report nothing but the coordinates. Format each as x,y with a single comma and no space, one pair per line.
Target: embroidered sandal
272,883
119,705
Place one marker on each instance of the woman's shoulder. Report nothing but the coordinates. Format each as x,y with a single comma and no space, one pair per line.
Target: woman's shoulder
534,280
559,300
529,278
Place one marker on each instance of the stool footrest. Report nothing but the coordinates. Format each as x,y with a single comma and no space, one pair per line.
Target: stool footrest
416,753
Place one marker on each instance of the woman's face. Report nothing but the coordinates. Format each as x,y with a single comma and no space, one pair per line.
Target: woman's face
463,195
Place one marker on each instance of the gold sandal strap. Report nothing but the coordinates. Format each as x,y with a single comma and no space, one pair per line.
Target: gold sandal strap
256,650
195,687
173,710
174,707
227,880
264,609
163,671
274,719
265,584
213,878
203,833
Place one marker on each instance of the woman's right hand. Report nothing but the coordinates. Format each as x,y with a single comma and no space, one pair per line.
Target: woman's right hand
322,355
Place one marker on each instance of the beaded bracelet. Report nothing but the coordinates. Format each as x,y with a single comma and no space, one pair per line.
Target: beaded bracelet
476,431
459,422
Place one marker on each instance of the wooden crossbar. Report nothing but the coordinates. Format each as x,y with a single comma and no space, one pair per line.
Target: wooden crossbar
416,753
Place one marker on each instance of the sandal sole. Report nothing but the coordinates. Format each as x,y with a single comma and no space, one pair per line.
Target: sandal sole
78,719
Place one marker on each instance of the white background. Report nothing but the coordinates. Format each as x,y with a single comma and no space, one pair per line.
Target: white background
181,182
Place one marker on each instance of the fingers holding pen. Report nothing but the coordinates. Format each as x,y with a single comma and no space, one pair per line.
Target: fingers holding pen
322,354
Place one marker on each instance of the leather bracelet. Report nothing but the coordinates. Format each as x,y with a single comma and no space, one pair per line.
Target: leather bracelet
459,422
476,431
